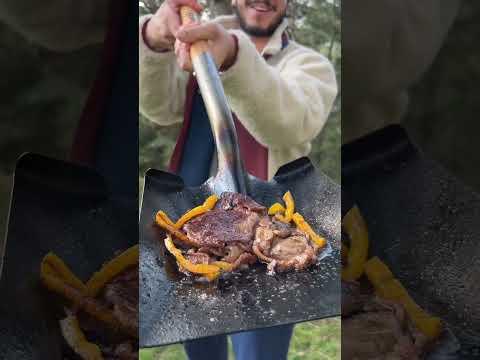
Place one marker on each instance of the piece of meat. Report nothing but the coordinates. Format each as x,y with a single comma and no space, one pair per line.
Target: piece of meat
376,335
282,246
233,252
232,221
217,228
122,294
374,328
123,351
229,201
197,257
353,300
244,259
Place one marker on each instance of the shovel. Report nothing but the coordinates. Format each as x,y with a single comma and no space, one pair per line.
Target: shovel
67,209
423,223
175,309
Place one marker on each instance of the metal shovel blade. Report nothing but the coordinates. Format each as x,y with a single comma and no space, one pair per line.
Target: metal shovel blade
173,308
64,208
424,224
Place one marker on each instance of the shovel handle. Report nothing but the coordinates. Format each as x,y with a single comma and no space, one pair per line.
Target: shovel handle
231,175
190,16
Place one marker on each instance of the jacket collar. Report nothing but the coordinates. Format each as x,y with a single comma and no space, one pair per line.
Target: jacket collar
274,45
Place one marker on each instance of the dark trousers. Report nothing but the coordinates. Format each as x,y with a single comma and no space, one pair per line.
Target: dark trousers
264,344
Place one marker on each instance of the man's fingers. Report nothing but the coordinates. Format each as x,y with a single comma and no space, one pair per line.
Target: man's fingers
196,32
182,52
177,4
174,23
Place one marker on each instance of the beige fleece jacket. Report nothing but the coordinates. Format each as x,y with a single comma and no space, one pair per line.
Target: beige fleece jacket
386,46
58,25
283,101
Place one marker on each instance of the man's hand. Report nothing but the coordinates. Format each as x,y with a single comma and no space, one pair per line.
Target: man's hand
161,29
221,43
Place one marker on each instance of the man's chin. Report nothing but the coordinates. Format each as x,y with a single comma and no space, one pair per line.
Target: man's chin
256,30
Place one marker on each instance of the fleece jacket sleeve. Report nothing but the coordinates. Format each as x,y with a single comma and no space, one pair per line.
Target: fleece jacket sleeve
58,25
281,105
162,84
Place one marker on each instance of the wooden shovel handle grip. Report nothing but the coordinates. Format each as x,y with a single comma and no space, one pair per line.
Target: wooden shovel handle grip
188,16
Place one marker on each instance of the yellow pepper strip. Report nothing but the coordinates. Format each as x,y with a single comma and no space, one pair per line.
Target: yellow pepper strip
354,225
429,325
86,303
203,269
282,218
196,211
165,218
225,266
75,337
53,265
377,272
276,208
290,204
172,230
305,227
387,287
111,269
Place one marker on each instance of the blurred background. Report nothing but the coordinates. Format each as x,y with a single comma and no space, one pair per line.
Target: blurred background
42,91
315,24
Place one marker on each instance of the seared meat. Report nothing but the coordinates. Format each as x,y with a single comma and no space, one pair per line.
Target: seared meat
233,252
353,300
122,294
240,202
244,259
216,228
377,329
239,231
233,220
282,246
197,257
122,351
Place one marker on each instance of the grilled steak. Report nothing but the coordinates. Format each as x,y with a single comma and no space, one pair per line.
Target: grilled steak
377,329
233,220
237,258
122,351
122,294
282,246
353,300
197,257
239,231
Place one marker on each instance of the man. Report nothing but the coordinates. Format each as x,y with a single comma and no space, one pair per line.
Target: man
280,93
261,69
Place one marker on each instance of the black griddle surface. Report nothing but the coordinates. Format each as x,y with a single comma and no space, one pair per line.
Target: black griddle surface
173,309
62,208
423,223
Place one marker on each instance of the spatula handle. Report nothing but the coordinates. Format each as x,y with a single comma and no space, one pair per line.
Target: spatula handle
231,175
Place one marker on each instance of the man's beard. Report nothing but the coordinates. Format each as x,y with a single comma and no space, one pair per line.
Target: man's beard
256,31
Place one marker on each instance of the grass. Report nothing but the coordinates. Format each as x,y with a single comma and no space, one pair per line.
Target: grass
314,340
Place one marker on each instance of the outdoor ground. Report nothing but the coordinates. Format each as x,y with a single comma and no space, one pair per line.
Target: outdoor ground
315,340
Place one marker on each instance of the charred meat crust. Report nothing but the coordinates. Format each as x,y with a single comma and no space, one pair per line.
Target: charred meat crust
120,296
282,246
374,328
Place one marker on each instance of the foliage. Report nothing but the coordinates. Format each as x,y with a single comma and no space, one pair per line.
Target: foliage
314,23
314,340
